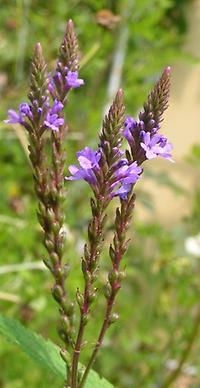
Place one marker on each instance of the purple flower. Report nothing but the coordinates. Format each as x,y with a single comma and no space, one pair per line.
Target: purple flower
58,76
156,145
25,110
122,192
130,125
123,177
52,120
72,80
13,117
18,117
51,87
88,158
89,162
64,81
57,107
126,175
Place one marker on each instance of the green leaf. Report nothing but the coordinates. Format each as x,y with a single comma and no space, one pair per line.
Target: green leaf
44,352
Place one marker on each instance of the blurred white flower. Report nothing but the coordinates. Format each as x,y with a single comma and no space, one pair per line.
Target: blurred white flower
192,245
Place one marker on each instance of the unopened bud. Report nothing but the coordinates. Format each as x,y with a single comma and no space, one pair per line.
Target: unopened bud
49,245
87,276
54,258
55,227
112,254
65,356
112,277
93,207
92,297
40,219
121,275
79,298
65,323
48,264
57,293
85,319
113,318
84,262
50,215
66,270
69,308
42,208
107,290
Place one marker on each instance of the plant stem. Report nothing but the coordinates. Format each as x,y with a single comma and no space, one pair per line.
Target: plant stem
99,342
76,354
84,308
172,377
117,251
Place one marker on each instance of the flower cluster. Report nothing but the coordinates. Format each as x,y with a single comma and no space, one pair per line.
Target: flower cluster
144,140
146,145
64,81
20,116
124,175
51,119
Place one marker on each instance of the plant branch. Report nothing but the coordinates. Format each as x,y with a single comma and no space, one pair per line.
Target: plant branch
117,251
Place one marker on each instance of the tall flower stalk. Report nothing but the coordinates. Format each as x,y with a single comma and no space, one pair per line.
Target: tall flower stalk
104,170
134,132
110,172
44,116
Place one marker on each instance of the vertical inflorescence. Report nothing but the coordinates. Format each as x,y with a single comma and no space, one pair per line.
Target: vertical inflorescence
49,184
43,116
109,171
99,169
134,133
157,102
143,134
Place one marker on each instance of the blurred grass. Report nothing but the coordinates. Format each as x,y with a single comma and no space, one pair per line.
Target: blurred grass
161,293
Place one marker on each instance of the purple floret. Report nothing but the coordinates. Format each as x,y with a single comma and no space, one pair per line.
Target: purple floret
130,123
25,110
53,121
88,158
57,107
130,126
122,192
156,145
89,161
13,117
72,80
124,174
128,173
18,117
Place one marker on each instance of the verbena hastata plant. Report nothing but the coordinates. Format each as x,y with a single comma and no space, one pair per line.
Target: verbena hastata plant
109,171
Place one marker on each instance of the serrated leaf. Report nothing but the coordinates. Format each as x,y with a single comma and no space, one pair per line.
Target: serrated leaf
44,352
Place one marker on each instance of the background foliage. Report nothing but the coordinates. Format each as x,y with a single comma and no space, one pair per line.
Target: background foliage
161,294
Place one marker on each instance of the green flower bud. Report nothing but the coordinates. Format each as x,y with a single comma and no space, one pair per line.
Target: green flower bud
80,298
57,293
113,318
107,290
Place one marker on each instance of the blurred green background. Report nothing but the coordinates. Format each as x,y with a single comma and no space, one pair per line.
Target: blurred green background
160,296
